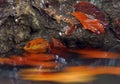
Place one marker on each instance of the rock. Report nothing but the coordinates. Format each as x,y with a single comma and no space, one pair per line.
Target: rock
22,22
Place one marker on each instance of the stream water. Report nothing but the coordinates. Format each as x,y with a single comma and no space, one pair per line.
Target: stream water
82,69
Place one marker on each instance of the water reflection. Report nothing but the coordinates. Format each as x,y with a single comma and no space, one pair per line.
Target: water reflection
69,74
86,66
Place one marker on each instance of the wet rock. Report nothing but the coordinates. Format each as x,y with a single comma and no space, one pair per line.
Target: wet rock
116,28
22,22
111,7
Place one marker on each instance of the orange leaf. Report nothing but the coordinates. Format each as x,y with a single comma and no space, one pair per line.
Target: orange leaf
91,24
37,45
91,9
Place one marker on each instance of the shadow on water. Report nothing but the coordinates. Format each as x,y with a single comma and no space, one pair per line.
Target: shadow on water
85,67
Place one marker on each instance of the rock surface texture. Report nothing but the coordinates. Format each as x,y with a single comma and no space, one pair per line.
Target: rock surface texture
23,20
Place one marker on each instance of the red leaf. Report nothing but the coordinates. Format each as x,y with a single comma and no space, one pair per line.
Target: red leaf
91,24
93,10
55,43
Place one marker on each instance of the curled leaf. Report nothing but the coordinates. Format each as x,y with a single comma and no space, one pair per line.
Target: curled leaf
93,10
37,45
91,24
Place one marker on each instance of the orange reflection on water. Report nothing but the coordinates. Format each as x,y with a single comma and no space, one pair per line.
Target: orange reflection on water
44,60
66,75
48,60
69,74
94,53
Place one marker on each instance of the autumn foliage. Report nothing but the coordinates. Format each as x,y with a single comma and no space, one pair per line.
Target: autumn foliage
90,16
94,11
91,24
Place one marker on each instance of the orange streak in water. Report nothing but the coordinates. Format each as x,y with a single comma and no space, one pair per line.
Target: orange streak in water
50,64
43,60
69,74
95,70
39,57
90,53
